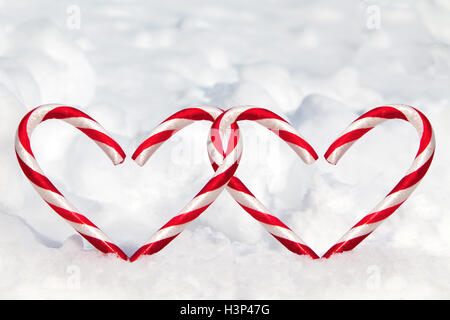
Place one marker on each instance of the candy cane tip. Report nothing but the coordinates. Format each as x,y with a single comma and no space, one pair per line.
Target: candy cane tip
139,158
139,161
332,157
312,159
307,157
137,255
122,256
118,161
118,158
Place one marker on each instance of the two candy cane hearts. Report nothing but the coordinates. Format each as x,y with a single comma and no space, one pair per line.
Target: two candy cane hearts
225,161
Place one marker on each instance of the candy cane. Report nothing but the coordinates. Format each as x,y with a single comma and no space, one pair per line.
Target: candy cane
235,187
42,184
240,192
202,200
407,184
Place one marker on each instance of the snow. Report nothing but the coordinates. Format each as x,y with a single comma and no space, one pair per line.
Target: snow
130,65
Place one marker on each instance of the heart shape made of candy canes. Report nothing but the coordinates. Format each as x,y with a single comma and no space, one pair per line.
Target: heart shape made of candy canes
236,187
356,130
49,193
242,195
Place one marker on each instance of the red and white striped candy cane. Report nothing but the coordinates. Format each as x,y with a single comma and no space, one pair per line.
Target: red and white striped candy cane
407,184
42,184
239,191
235,187
204,198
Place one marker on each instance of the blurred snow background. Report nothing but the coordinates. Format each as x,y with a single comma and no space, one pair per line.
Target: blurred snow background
130,65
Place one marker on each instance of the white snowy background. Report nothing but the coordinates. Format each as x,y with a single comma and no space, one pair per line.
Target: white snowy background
131,64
